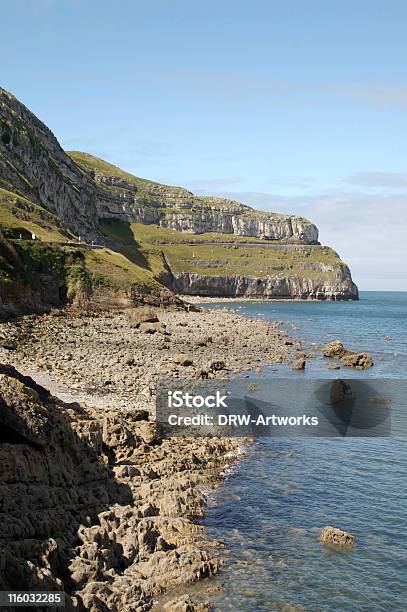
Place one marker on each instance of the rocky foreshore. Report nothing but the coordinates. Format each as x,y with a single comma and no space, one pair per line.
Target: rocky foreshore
116,359
92,500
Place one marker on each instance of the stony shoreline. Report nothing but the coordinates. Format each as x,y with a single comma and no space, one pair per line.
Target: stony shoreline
136,537
116,359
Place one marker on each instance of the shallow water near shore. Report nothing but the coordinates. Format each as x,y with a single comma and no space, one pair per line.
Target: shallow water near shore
269,511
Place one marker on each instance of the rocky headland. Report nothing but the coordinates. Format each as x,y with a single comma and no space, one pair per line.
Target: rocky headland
75,227
80,192
291,286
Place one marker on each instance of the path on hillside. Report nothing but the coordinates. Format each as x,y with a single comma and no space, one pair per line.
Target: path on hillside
262,245
195,243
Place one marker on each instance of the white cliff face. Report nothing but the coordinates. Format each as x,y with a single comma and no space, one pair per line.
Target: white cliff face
339,287
196,217
311,279
277,227
195,221
178,209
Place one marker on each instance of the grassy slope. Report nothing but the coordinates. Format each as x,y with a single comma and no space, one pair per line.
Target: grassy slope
188,253
90,162
103,267
111,269
143,247
145,244
19,215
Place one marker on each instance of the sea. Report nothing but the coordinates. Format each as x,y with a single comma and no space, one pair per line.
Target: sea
269,511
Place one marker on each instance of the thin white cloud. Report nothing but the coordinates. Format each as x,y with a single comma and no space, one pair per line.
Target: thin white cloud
393,96
238,88
299,182
395,180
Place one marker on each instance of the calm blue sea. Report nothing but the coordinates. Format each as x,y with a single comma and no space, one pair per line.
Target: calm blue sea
271,508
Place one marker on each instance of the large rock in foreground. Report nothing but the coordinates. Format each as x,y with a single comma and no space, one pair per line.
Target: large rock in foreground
96,505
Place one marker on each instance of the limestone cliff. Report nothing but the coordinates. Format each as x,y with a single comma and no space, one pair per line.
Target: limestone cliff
340,287
250,269
33,164
139,201
161,234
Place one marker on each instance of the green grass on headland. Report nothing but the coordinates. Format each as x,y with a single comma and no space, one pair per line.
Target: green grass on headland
92,163
23,259
199,253
168,198
140,254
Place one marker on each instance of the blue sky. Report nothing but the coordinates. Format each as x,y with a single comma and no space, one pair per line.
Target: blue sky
290,105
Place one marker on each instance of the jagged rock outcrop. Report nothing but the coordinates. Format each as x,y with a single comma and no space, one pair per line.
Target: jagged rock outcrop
335,348
339,287
96,504
360,361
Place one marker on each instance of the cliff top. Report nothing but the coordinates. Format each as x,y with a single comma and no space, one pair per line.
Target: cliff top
114,177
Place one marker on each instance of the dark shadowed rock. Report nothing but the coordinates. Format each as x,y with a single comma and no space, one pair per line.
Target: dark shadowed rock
8,345
340,391
98,507
215,365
